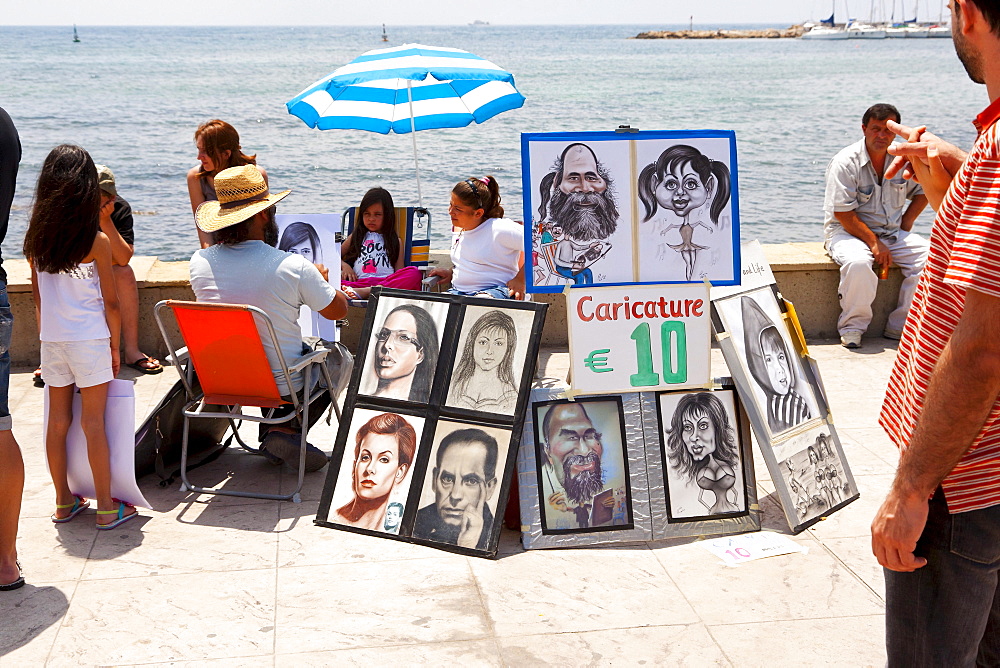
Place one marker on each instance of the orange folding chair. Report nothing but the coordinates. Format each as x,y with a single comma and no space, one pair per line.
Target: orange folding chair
223,343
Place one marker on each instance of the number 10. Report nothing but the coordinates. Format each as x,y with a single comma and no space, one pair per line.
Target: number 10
674,370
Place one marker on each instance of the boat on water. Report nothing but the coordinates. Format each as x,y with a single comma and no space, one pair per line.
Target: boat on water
907,30
385,36
76,37
824,32
864,31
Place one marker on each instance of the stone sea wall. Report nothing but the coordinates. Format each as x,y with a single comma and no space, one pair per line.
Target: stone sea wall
767,33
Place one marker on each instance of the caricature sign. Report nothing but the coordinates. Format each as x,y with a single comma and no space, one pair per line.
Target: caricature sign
639,338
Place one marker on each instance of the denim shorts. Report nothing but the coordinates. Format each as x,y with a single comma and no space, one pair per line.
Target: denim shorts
6,328
498,292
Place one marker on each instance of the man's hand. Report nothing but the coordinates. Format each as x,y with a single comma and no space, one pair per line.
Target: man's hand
881,252
472,522
925,158
558,501
347,272
895,530
107,208
324,272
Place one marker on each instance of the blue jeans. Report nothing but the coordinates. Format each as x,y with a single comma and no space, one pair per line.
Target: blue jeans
498,292
948,612
584,277
6,328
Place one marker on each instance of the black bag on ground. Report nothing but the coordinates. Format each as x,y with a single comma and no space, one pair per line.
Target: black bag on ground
158,440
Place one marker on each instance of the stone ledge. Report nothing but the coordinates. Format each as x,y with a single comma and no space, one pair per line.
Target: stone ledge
805,273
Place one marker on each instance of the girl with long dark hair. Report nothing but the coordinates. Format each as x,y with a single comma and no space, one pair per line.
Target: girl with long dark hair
79,322
372,254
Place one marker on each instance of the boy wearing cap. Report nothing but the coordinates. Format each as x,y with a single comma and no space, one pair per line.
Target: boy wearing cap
116,222
244,267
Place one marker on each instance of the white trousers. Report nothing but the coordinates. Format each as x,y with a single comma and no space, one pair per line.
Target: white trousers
858,281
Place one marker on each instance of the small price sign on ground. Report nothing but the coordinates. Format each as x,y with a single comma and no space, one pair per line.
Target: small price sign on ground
639,338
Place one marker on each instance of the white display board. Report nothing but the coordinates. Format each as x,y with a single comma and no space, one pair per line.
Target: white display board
639,338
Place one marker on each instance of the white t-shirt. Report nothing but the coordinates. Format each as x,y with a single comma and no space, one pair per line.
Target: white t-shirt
274,281
373,261
486,256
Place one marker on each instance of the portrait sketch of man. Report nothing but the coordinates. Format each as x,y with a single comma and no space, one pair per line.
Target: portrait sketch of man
581,464
458,503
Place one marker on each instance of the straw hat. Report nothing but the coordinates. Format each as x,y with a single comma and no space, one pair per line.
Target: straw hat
242,194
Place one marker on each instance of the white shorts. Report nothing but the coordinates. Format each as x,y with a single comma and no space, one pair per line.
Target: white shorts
83,363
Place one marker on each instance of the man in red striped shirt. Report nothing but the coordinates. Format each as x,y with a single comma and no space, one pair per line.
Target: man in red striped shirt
938,531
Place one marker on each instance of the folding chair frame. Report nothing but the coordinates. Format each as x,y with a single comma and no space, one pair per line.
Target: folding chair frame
197,404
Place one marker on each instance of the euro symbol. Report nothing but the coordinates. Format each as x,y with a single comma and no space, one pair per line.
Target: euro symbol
597,361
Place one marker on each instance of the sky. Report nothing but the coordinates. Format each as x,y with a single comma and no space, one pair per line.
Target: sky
654,13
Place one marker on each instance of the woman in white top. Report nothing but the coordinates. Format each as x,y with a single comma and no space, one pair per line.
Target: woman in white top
372,254
488,255
79,322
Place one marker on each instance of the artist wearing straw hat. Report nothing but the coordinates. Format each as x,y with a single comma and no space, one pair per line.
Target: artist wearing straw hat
244,267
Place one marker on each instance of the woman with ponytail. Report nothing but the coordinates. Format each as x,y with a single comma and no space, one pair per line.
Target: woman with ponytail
487,256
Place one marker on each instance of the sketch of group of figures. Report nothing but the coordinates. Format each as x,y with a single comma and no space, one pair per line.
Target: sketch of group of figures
580,205
815,475
438,388
582,465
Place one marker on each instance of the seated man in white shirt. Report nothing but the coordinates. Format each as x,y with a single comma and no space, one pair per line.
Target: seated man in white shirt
867,221
244,267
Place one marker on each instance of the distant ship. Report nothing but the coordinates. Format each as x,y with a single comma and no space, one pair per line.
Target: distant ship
76,38
477,22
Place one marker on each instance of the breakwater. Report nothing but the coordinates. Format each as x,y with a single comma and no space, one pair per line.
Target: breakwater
766,33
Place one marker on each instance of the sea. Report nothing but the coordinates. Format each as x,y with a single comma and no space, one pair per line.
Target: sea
133,97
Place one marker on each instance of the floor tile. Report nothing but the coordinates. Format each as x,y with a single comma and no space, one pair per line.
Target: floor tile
843,641
791,586
471,654
573,590
167,618
214,538
687,645
322,608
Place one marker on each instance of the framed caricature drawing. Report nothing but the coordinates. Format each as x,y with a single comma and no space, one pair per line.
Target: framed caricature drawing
611,208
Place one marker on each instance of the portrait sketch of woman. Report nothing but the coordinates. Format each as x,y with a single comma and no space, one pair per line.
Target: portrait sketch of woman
374,477
704,471
488,369
403,352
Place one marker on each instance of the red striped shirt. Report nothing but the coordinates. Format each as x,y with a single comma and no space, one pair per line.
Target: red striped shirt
964,253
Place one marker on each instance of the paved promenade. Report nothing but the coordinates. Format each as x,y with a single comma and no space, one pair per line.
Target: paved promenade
238,582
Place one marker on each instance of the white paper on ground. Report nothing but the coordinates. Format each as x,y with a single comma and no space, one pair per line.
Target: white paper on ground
735,550
119,419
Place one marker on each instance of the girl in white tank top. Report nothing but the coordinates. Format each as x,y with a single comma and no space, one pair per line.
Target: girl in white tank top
79,326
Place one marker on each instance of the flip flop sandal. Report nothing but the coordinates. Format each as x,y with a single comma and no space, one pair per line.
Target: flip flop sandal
122,517
150,370
79,505
16,584
37,378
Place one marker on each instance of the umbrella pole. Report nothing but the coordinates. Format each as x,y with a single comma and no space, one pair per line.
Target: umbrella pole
413,136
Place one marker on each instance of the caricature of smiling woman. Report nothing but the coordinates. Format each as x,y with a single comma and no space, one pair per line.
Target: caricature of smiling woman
484,378
701,446
767,357
682,180
383,452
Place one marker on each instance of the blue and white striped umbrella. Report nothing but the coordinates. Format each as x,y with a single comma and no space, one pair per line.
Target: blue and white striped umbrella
444,88
408,88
